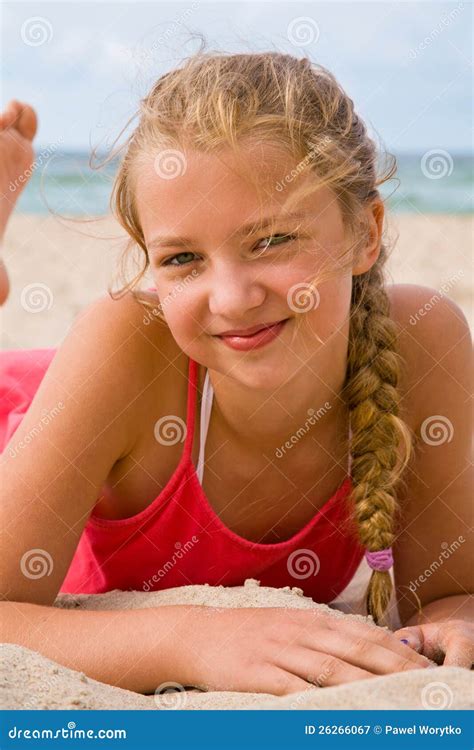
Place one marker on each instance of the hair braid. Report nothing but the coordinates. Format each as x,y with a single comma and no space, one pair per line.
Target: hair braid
372,397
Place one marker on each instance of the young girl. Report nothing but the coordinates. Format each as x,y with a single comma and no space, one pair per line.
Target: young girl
271,341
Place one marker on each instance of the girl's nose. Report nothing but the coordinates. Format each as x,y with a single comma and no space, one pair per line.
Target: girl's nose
234,291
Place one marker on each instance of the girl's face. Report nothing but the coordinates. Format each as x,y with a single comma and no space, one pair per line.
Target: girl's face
213,273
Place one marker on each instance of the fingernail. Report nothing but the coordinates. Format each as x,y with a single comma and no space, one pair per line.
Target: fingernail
404,640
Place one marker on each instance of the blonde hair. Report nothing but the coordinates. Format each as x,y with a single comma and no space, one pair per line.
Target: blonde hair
217,100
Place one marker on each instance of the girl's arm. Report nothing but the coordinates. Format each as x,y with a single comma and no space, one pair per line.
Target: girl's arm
135,649
433,567
52,477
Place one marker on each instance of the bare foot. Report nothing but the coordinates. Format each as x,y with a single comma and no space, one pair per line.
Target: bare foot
18,125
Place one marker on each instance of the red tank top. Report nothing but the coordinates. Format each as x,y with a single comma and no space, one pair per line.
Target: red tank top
178,539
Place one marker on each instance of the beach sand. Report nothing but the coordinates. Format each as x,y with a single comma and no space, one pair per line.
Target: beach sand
57,268
29,680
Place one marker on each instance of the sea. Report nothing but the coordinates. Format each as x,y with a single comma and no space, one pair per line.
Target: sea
436,181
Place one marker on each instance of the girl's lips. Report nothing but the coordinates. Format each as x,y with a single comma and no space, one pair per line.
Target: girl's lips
256,340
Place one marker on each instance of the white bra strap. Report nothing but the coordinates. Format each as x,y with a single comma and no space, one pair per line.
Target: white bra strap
206,407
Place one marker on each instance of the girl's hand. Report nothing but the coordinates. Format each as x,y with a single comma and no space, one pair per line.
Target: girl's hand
449,643
280,651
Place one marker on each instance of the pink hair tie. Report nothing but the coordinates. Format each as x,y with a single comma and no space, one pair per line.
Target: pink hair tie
380,560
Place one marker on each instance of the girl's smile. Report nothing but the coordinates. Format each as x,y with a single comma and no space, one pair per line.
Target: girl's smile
260,338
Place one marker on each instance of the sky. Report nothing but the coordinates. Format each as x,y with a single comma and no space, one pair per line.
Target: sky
85,65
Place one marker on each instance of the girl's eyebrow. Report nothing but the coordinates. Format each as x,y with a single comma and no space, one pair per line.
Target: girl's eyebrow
170,241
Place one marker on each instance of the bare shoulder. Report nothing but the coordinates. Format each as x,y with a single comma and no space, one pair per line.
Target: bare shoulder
131,332
434,342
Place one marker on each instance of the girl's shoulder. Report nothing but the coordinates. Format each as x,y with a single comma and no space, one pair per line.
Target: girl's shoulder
434,342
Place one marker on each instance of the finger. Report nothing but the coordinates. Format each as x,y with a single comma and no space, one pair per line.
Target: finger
383,638
284,682
319,668
431,639
367,653
459,653
413,636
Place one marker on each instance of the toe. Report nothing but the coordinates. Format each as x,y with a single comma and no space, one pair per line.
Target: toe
10,114
27,122
20,116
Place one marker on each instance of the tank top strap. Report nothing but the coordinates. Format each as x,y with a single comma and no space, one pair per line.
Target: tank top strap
191,407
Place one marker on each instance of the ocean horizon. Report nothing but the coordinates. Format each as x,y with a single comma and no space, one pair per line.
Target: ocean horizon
436,181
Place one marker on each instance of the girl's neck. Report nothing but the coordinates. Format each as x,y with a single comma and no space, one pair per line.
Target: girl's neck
305,409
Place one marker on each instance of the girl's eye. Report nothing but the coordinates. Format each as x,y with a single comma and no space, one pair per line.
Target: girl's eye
281,239
169,263
269,242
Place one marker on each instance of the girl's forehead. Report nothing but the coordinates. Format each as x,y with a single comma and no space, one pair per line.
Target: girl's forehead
257,179
259,164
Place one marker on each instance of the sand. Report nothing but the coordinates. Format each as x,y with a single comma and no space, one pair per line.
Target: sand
70,265
30,680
